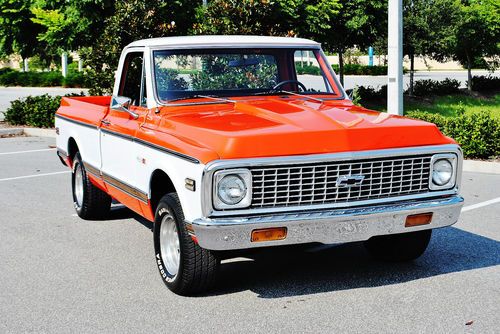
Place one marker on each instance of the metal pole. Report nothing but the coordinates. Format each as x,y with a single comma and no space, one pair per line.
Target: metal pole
395,58
26,66
64,64
80,65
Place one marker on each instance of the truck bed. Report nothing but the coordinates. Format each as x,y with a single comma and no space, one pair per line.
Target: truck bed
85,109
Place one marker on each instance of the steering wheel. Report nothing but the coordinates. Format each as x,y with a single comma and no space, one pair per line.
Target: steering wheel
300,84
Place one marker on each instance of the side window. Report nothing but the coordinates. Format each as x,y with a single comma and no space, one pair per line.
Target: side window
132,77
308,72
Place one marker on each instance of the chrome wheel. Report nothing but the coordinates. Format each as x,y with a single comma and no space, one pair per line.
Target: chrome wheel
169,244
79,185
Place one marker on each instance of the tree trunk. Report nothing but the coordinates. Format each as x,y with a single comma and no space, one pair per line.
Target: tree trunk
341,67
412,71
469,72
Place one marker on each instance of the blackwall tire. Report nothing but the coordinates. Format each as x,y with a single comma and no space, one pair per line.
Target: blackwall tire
89,201
399,247
185,267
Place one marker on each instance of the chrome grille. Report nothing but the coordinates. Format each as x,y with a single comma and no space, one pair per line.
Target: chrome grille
315,183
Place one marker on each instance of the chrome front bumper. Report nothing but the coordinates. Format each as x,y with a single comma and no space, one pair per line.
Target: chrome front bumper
326,226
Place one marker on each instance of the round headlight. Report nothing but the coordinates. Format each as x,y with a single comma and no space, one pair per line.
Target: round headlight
442,172
231,189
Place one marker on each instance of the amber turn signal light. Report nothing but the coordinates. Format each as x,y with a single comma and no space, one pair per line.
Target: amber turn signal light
269,234
417,220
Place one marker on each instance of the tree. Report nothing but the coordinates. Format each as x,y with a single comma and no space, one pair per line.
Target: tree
469,31
70,24
18,33
415,32
243,17
343,24
133,20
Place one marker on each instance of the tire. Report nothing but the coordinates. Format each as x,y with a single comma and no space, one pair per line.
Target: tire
399,247
194,269
89,201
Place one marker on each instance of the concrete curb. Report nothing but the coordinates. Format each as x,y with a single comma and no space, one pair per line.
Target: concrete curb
33,132
489,167
9,132
37,132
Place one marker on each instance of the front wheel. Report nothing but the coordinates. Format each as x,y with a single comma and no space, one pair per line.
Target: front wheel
399,247
184,266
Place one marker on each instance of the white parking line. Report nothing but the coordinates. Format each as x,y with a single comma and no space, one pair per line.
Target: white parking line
31,151
35,175
480,205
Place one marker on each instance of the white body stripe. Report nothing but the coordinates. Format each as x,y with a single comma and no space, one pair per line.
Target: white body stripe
134,163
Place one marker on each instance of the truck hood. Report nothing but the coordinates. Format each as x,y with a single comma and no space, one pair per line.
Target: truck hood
281,126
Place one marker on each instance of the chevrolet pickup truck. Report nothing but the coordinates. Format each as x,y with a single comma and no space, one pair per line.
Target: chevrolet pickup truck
225,144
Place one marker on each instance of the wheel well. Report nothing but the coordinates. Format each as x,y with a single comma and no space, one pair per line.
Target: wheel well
72,148
160,185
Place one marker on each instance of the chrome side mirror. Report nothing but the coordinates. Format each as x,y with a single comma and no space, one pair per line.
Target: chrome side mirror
122,103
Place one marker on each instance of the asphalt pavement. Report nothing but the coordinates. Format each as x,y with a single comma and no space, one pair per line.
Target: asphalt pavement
61,274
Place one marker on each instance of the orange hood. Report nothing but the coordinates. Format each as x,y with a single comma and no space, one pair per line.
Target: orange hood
281,126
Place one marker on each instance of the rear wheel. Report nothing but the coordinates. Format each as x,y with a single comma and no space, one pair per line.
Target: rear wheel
399,247
184,266
90,202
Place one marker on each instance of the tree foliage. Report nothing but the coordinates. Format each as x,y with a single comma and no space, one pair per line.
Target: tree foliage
133,20
70,24
18,33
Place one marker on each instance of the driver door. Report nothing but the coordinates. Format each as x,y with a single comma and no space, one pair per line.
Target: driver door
118,130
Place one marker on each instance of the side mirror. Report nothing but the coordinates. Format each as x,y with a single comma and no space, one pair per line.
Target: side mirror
122,103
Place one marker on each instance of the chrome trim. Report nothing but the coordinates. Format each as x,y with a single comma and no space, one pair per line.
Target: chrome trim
453,160
212,167
327,227
246,176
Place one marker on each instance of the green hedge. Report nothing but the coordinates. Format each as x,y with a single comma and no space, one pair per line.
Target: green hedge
349,69
485,83
477,133
37,111
356,69
435,87
41,79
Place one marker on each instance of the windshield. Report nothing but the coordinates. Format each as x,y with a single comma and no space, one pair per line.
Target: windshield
240,72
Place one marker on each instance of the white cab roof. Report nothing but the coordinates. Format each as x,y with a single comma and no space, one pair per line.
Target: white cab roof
217,41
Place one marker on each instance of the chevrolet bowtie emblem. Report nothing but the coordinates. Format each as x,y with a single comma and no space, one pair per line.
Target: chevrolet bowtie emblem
349,180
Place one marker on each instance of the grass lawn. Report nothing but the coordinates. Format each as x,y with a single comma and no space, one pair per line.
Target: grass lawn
447,105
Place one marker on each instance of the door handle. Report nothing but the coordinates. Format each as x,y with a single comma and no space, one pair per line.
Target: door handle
105,122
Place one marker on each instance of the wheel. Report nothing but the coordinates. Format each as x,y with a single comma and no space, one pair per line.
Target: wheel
184,266
399,247
90,202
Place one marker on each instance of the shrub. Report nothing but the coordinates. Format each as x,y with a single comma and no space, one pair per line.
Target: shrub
74,79
437,119
485,83
307,69
41,79
434,87
477,133
363,94
37,111
357,69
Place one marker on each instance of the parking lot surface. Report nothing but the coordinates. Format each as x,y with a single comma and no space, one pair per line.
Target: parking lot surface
59,273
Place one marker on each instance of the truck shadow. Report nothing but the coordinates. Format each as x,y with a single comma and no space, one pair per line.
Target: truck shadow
348,266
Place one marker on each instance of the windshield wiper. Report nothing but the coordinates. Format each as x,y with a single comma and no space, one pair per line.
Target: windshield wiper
273,91
216,99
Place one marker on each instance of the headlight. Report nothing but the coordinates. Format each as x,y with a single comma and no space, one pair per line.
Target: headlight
443,171
232,189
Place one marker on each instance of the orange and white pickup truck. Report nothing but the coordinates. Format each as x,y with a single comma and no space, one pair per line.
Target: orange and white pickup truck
225,144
